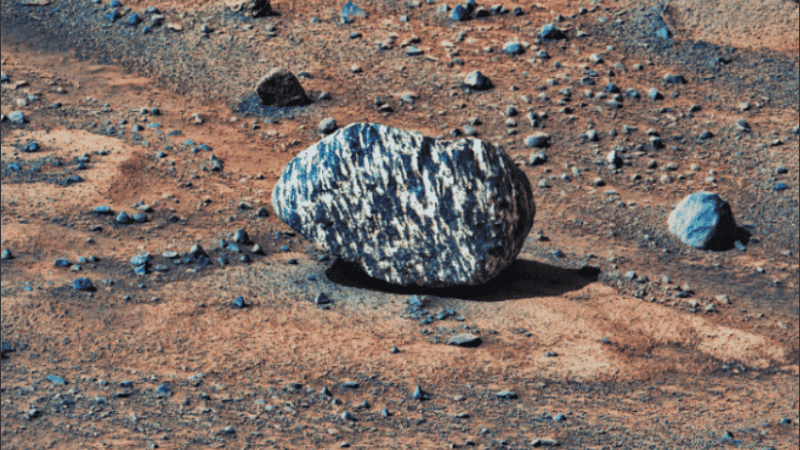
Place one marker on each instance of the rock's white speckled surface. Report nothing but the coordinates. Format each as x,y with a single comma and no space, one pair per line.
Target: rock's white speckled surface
409,209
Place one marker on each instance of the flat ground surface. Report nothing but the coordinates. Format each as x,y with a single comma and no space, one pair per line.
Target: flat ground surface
163,359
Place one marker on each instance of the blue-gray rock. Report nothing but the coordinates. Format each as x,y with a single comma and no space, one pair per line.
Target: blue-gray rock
537,159
113,15
408,209
465,340
513,48
241,237
781,186
506,395
140,217
632,93
62,263
262,212
133,19
103,210
550,31
350,11
17,117
459,13
5,348
654,94
30,147
517,11
419,394
538,139
239,302
414,51
703,220
670,79
705,135
82,284
664,33
322,299
327,126
163,391
123,218
477,80
6,255
56,380
559,418
140,260
742,125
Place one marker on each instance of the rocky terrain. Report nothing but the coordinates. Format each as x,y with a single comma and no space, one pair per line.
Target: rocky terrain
151,297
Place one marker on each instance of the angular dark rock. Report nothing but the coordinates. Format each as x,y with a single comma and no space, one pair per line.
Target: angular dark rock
281,88
409,209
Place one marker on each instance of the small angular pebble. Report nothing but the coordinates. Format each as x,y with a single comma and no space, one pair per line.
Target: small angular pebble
419,394
327,126
163,391
56,380
7,255
239,302
478,80
123,218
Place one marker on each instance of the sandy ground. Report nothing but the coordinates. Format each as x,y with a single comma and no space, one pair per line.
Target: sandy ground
595,359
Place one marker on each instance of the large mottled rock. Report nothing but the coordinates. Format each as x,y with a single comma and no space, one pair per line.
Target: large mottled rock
281,88
703,220
409,209
251,8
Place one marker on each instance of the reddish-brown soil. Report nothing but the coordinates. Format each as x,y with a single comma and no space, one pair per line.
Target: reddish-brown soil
631,363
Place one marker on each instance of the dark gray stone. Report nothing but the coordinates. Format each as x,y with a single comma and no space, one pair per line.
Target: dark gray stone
281,88
409,209
703,220
465,340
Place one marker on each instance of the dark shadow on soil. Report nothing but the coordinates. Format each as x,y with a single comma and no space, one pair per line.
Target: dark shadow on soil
522,279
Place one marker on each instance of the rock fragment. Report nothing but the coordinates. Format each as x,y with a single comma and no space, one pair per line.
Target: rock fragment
703,220
251,8
465,340
408,209
281,88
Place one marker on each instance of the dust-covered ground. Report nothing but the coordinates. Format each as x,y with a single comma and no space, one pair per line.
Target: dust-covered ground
607,332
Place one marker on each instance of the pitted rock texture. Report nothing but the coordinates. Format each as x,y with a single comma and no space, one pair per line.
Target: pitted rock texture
409,209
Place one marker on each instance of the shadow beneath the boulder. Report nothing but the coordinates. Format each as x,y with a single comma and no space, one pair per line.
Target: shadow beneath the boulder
727,240
522,279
